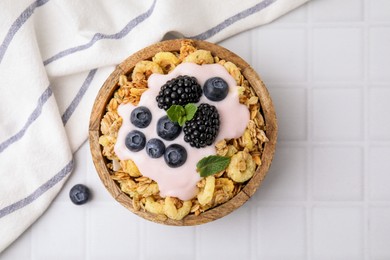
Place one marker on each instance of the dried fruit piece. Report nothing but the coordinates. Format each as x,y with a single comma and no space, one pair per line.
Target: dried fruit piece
176,213
206,194
241,167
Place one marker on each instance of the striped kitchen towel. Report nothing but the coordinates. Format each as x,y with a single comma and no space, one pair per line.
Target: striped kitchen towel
55,55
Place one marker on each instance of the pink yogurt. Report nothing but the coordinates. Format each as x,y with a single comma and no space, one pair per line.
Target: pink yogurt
181,182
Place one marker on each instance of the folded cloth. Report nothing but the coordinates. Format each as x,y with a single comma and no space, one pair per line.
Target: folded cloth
55,55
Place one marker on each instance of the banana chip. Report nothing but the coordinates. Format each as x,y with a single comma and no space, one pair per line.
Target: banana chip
241,167
176,213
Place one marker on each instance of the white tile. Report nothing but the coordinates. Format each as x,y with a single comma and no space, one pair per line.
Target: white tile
60,229
169,242
112,232
336,10
281,233
337,173
286,179
227,238
379,10
337,54
279,55
337,114
337,233
379,233
379,173
379,119
379,54
243,49
290,106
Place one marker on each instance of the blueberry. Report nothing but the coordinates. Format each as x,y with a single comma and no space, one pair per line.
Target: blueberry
155,148
79,194
215,89
135,141
141,117
175,155
167,130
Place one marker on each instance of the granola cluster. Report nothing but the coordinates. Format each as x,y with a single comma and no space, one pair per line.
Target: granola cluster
245,152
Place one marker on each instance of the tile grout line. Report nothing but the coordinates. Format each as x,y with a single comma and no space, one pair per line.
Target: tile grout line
332,143
197,244
322,203
309,134
87,215
142,238
87,232
366,250
253,231
30,243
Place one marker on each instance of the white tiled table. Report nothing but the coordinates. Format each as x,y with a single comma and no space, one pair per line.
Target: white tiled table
327,195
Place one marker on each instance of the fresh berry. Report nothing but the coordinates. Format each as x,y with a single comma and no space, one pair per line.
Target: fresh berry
155,148
79,194
203,128
141,117
167,129
135,141
179,91
215,89
175,155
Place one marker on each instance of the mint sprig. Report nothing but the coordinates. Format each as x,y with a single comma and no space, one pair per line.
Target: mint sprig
180,114
212,164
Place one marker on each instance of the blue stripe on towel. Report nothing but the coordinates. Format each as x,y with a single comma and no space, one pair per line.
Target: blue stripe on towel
76,100
23,17
233,19
39,191
33,116
100,36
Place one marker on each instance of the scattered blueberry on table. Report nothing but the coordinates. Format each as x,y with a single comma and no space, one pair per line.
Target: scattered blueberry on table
79,194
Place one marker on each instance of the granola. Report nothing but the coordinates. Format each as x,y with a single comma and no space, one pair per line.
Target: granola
245,152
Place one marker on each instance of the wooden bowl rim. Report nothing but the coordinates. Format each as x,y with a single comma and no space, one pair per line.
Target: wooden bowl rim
111,84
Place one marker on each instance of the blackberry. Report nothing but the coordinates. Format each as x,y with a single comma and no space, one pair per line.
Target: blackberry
179,91
202,130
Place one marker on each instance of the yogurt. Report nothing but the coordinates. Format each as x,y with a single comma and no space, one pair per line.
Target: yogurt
181,182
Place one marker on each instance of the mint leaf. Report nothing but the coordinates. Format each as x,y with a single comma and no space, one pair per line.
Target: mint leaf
212,164
180,114
182,120
190,111
175,112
